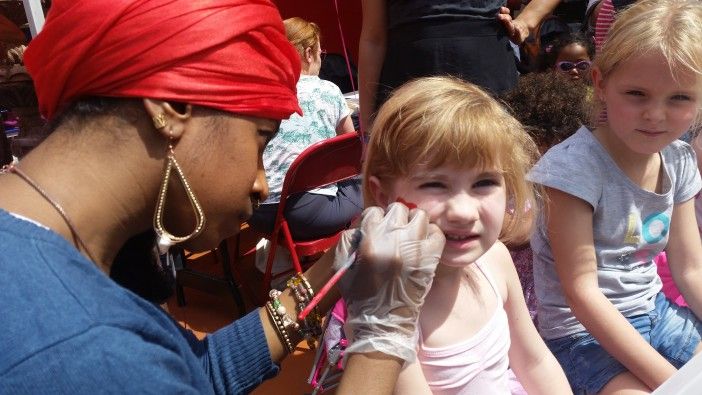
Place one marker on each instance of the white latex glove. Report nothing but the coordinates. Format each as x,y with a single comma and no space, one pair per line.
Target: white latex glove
385,288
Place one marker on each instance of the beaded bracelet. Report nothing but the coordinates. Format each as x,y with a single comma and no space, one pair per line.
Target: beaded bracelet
301,278
317,316
311,326
279,328
299,291
281,311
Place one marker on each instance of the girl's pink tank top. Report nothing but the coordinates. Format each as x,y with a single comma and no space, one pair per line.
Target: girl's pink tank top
474,366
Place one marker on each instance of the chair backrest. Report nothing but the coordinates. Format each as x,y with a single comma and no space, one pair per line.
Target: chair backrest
323,163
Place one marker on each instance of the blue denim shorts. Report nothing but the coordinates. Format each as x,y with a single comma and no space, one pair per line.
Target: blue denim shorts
672,330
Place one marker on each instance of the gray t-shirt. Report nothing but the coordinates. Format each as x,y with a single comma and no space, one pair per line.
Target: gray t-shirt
630,225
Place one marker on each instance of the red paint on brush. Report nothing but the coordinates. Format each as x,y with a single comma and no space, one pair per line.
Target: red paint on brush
406,203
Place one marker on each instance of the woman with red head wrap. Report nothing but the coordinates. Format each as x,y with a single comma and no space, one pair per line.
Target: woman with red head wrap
159,111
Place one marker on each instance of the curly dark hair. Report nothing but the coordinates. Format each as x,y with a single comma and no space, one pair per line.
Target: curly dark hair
549,53
550,105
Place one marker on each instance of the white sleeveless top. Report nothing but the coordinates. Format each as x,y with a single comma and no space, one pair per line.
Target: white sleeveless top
474,366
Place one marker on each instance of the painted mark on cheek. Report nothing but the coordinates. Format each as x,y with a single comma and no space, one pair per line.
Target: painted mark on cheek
406,203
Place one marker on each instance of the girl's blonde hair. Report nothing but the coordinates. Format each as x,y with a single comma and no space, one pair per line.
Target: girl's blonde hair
434,121
670,27
302,34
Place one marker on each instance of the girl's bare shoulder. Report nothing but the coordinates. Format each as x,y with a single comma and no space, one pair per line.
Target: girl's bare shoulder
501,267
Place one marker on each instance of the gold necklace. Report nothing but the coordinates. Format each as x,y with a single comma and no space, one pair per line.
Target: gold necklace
77,241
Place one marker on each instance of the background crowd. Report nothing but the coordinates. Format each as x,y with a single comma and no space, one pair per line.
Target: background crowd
529,179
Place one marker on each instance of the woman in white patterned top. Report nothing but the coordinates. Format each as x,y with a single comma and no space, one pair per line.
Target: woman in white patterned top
325,210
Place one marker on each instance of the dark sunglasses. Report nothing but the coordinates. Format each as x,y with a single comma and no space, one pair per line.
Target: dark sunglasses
567,66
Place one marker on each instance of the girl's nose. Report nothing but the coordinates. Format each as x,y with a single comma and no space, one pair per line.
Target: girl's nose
655,112
462,208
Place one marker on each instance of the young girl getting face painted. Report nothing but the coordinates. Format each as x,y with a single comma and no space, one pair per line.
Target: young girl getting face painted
447,147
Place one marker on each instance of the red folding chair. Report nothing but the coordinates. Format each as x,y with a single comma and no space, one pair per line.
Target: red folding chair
323,163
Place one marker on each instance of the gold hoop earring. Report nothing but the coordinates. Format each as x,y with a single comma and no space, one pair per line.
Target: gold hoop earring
164,238
159,121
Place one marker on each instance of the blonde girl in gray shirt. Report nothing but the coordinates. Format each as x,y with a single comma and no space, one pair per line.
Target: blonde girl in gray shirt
617,196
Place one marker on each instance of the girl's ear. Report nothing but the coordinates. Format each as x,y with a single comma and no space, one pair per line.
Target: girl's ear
598,83
377,192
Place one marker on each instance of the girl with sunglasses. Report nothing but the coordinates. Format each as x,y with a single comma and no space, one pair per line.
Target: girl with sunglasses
571,54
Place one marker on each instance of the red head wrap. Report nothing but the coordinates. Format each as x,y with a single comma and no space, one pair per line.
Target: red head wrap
230,55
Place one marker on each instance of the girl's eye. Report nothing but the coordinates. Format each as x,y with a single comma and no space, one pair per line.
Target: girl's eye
681,98
431,185
634,93
488,182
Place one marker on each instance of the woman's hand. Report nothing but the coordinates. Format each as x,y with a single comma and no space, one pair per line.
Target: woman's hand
517,30
14,54
386,286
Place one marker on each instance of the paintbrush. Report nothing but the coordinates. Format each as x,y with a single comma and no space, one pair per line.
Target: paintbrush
355,242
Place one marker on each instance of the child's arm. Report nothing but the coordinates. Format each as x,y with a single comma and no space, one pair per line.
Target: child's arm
569,222
532,362
412,381
684,234
684,252
369,373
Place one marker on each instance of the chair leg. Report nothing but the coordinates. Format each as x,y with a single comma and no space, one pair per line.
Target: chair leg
227,270
180,295
242,282
268,275
179,260
291,247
